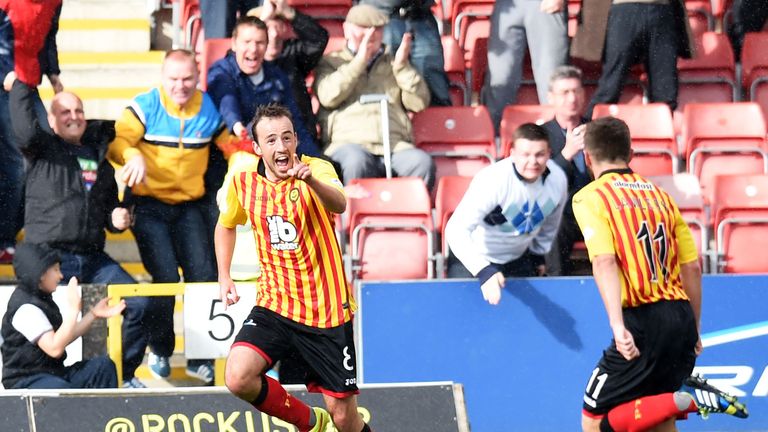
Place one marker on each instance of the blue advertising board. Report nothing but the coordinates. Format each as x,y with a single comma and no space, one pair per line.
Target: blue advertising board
525,362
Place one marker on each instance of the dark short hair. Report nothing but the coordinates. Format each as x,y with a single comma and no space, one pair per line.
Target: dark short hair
531,132
607,139
271,111
247,20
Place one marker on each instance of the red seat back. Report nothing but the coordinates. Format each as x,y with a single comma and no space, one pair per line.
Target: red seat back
741,222
653,136
721,139
213,50
460,139
391,230
514,116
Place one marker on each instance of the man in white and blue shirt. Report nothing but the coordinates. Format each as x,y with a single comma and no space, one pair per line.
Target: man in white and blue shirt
509,216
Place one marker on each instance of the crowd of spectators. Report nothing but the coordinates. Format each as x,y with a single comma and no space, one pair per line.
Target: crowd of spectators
156,171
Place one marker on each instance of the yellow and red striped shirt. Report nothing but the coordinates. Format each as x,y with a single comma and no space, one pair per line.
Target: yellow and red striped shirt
302,272
623,214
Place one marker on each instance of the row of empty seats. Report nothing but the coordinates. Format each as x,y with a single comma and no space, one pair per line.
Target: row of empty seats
716,139
394,234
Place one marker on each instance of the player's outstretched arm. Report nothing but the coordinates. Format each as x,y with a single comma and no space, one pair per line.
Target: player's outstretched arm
224,240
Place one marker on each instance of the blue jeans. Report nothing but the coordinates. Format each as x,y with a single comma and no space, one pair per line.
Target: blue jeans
12,172
170,236
98,372
426,53
99,268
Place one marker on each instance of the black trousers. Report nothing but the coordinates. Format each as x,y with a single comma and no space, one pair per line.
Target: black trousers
748,16
558,259
639,33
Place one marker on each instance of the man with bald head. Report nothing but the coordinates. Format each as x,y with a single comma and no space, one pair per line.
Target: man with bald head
71,196
163,140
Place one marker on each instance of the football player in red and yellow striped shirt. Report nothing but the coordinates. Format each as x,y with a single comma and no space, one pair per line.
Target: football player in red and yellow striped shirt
646,267
304,304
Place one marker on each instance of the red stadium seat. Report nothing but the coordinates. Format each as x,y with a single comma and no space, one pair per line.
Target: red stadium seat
726,138
632,93
741,223
335,43
466,14
328,13
710,76
685,189
754,62
213,50
700,16
190,21
653,136
471,26
455,70
478,65
391,230
720,8
450,191
460,139
336,9
515,115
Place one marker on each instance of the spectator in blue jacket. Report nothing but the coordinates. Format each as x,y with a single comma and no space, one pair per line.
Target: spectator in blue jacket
242,81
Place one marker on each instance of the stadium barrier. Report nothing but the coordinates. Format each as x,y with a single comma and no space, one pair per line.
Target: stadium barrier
524,363
396,407
530,355
209,330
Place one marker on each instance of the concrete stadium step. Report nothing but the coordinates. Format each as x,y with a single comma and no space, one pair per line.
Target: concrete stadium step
104,35
110,69
104,9
106,81
100,102
104,26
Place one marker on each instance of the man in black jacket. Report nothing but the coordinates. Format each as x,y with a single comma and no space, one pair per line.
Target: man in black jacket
296,56
566,137
71,197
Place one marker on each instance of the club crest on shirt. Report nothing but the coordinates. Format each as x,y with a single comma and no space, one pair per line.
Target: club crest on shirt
293,195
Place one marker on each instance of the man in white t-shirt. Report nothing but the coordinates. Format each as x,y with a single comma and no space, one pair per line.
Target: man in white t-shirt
509,216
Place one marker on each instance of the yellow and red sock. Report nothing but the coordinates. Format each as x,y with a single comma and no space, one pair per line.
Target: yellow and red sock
275,401
646,412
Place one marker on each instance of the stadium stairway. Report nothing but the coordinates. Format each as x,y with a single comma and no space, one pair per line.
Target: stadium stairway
104,54
105,58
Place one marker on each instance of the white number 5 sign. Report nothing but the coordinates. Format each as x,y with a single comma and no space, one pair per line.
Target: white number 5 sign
209,330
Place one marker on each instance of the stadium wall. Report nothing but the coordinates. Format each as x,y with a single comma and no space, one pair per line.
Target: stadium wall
525,362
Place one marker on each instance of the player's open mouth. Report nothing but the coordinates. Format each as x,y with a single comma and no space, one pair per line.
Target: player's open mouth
282,161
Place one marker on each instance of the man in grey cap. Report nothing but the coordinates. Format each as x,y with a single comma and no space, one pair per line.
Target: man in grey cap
351,129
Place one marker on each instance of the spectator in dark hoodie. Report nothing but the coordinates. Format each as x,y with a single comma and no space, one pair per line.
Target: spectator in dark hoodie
71,197
35,332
